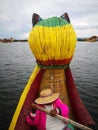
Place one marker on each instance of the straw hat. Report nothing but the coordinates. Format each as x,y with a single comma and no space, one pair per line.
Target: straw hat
46,96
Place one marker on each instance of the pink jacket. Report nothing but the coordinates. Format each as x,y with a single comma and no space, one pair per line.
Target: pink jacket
40,119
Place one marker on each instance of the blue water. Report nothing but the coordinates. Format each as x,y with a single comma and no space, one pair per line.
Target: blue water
17,64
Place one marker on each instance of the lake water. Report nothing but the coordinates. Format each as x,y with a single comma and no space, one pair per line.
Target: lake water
17,64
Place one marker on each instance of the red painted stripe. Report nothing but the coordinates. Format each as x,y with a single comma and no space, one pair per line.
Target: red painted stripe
54,62
26,108
79,110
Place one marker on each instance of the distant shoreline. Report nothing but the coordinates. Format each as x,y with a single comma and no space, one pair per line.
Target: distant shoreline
90,39
5,40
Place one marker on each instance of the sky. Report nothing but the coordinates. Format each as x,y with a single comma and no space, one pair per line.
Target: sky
16,15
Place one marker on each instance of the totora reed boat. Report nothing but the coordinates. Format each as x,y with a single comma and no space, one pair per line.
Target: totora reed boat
53,43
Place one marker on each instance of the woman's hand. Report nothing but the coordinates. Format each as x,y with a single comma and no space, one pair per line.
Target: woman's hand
53,112
33,108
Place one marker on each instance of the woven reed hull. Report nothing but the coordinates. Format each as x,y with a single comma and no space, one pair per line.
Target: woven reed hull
60,81
56,80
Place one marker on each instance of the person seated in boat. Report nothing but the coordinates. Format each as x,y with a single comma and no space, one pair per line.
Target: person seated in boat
54,104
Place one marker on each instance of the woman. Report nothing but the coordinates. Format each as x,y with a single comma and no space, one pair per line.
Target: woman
54,104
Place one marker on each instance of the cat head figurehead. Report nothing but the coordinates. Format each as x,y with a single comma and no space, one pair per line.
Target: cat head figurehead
52,40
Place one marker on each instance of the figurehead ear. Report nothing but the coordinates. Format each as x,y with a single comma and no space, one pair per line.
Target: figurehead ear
66,17
35,19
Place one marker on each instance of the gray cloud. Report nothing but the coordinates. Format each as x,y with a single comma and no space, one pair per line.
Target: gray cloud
15,15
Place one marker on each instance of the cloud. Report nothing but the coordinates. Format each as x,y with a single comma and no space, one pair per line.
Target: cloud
15,16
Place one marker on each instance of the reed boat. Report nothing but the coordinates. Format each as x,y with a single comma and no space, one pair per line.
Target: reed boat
52,70
91,40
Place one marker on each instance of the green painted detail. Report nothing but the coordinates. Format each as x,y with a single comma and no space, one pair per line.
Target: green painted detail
52,22
54,66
